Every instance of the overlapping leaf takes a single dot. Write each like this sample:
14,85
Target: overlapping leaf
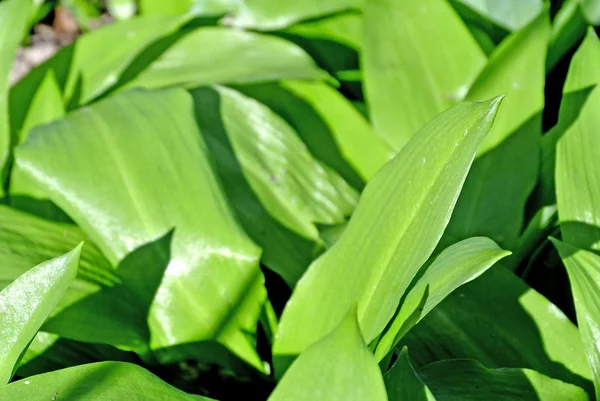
403,383
394,230
338,368
463,379
158,176
583,268
104,381
410,81
27,302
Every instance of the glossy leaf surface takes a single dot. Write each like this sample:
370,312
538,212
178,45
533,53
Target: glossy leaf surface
26,303
403,383
399,220
159,177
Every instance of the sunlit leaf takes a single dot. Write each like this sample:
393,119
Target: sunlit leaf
501,322
509,14
212,55
104,381
411,80
27,302
159,176
456,265
338,368
400,218
583,268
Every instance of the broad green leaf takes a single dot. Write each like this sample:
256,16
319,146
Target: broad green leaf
468,380
46,105
456,265
27,302
284,251
178,7
503,176
333,130
583,268
501,322
159,176
403,383
577,154
276,14
410,81
591,10
568,27
340,367
93,64
345,29
212,55
511,15
14,16
103,381
48,352
291,185
400,218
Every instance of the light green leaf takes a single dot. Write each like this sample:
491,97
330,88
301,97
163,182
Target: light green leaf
104,381
345,29
456,265
501,322
583,268
179,7
591,10
27,302
401,216
403,383
212,55
410,81
468,380
291,185
492,202
577,155
511,15
332,129
276,14
284,251
14,17
95,63
159,176
338,368
46,106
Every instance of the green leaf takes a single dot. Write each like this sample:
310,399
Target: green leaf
400,218
212,55
568,27
159,176
468,380
492,202
46,106
583,268
275,14
27,302
410,81
501,322
14,17
577,155
332,129
591,10
345,29
93,64
290,184
178,7
403,383
338,368
511,15
456,265
104,381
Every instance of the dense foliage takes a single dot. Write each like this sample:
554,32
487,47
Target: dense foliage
303,200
